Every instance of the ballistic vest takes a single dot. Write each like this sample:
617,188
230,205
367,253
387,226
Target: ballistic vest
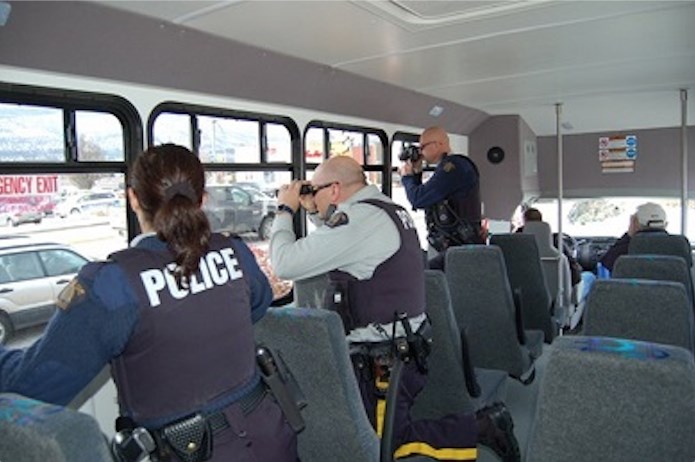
397,285
456,220
191,344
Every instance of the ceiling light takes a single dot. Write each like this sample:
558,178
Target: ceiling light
436,111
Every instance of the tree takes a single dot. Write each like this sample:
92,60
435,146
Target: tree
88,150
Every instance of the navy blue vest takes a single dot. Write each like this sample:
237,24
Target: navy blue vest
397,285
190,345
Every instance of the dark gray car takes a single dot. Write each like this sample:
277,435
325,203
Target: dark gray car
240,209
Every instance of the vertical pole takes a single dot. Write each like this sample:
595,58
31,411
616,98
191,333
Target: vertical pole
684,160
558,119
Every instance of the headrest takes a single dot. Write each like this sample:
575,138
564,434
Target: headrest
651,215
48,432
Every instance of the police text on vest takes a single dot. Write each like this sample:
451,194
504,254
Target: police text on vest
216,268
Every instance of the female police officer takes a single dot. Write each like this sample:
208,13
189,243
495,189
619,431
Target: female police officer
173,315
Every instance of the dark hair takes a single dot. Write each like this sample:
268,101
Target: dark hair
169,182
532,214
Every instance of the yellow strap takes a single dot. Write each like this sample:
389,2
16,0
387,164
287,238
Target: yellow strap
425,449
380,411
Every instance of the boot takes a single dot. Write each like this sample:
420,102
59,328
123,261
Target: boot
496,431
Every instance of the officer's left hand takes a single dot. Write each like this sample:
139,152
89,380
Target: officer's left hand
289,195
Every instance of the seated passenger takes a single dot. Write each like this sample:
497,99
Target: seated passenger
369,247
648,218
173,315
577,273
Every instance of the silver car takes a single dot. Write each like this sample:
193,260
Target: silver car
32,274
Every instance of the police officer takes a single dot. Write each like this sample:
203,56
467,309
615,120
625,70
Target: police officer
173,315
451,197
369,247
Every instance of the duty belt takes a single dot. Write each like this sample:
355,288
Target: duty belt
191,438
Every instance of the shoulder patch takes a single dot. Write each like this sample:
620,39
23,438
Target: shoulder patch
337,219
448,167
71,294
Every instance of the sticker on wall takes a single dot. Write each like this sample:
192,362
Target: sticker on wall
617,154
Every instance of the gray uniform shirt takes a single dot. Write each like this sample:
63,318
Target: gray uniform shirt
368,239
358,247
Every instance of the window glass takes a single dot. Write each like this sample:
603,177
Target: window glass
279,143
59,261
85,210
23,266
99,137
173,128
605,216
244,203
375,155
31,134
314,145
225,140
346,143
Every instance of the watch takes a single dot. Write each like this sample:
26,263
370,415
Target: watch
285,208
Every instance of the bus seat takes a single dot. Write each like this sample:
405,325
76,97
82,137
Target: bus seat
661,244
34,430
638,309
311,292
613,399
525,271
483,305
312,343
552,260
448,388
654,267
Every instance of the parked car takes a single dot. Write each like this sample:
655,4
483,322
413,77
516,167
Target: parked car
32,274
18,216
96,202
240,209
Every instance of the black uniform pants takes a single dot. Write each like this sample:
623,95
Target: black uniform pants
450,438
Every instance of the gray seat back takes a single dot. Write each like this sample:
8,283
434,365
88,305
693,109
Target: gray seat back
525,272
654,267
311,292
553,262
613,399
482,302
312,343
637,309
661,244
35,431
445,391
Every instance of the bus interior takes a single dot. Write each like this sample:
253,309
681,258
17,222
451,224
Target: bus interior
577,108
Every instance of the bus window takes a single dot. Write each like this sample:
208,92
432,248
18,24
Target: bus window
173,128
375,152
279,147
314,145
236,150
605,216
224,140
31,133
99,137
346,143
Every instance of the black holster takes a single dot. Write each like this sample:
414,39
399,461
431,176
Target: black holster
190,438
282,385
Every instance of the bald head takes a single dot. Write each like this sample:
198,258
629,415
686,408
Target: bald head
434,142
342,169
